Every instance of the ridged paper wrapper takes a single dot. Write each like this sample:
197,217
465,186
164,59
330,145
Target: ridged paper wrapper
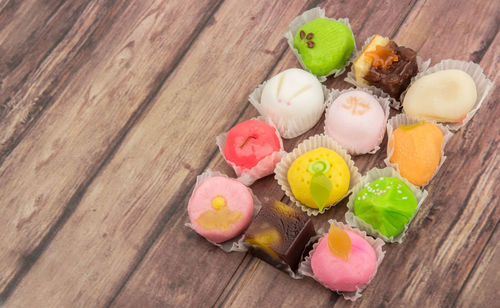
313,142
237,243
371,176
303,19
377,244
263,168
483,86
384,103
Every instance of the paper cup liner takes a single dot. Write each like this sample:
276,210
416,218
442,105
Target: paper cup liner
351,78
377,244
237,243
282,266
306,17
371,176
313,142
403,119
483,86
263,168
384,103
292,274
293,127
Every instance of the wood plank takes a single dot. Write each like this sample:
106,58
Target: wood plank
165,276
114,75
479,291
167,279
263,287
24,46
139,190
431,269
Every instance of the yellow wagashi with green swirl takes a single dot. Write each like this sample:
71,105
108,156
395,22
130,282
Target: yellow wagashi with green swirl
319,178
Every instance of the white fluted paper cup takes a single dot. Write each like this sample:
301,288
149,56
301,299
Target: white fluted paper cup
395,103
314,142
377,244
384,103
483,86
237,243
371,176
263,168
288,127
303,19
403,119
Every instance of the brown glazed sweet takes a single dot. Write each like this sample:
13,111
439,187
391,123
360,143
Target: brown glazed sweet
279,234
394,78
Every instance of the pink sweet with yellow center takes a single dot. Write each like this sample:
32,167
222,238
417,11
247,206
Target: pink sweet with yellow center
220,208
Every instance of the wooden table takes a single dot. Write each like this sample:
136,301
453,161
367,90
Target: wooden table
109,110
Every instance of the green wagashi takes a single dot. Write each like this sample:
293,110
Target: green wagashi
324,45
387,204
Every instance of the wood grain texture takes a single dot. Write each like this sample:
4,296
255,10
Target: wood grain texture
435,278
148,283
29,77
117,72
157,161
112,108
482,285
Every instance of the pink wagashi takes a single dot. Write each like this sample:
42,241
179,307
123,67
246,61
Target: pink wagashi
220,208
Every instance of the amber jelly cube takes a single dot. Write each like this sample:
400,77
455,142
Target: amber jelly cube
279,234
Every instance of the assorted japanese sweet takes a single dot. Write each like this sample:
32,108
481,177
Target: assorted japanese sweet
319,172
356,121
343,260
293,100
279,234
220,208
417,151
387,204
386,65
319,178
253,147
445,96
324,45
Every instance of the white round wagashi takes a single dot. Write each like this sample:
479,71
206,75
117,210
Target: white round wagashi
294,101
445,96
356,121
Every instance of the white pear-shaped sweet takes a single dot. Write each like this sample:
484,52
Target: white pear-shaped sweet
445,96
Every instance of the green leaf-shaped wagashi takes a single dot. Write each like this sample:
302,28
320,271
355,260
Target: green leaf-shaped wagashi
320,190
320,184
